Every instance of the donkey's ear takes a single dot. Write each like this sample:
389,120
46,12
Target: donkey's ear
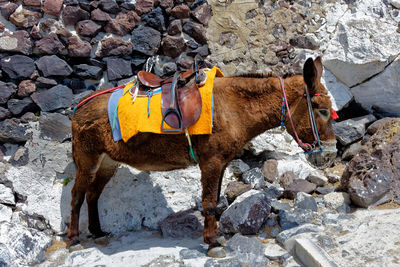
310,73
320,68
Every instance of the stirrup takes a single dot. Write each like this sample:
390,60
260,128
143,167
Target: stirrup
168,112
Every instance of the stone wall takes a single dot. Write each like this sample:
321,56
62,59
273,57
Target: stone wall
54,52
359,42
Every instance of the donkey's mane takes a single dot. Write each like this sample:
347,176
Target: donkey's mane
264,75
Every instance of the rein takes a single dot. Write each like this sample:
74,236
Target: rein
308,148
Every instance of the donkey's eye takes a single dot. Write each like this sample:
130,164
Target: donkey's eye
323,112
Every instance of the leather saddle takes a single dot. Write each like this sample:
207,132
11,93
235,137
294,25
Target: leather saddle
181,101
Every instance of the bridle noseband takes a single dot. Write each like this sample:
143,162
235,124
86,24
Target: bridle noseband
308,148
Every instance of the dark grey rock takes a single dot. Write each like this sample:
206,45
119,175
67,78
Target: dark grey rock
11,131
79,97
325,190
299,185
55,98
255,178
155,19
351,151
274,191
221,206
20,106
201,51
75,84
352,130
277,206
109,6
246,214
53,66
182,224
138,60
248,250
50,44
86,71
7,90
290,219
372,176
55,126
28,117
18,66
42,82
305,201
175,27
238,167
118,68
73,14
146,40
4,113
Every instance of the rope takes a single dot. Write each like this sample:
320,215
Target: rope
305,146
97,94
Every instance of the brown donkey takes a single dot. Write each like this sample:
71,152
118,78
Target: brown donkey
243,108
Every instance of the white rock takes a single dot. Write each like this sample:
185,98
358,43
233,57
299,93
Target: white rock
5,213
26,246
6,195
310,254
382,90
395,3
336,200
363,45
274,252
281,146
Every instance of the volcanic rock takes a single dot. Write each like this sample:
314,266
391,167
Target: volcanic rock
114,47
173,46
118,68
25,18
372,177
202,13
7,90
246,214
72,14
53,66
78,47
87,28
26,87
297,186
146,40
50,44
52,7
17,66
195,30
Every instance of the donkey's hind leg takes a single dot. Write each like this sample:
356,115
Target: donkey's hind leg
103,175
87,166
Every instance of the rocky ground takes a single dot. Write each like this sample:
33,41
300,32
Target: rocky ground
268,213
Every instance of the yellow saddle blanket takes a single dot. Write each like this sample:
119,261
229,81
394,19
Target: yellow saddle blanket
133,117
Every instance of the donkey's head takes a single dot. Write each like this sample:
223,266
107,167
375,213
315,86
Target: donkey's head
318,104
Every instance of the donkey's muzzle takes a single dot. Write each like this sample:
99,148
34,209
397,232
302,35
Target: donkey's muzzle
323,157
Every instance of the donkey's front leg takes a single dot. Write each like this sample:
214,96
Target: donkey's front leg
211,175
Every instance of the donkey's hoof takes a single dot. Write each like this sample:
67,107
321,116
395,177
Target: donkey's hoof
98,234
73,242
217,252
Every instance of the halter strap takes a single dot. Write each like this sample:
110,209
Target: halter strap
285,106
